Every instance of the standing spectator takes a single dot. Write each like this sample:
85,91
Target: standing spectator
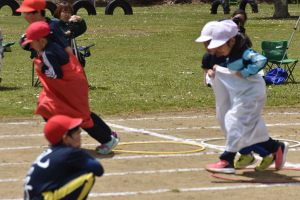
71,25
65,88
63,171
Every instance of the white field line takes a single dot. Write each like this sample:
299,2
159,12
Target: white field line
127,129
151,118
192,117
132,157
216,127
197,189
147,172
151,133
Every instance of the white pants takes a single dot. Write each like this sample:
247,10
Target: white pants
239,103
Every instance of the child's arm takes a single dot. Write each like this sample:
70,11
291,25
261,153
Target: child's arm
53,58
250,63
254,62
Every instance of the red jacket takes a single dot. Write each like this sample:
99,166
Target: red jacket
68,95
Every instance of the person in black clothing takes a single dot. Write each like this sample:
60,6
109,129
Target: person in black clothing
71,25
240,17
63,171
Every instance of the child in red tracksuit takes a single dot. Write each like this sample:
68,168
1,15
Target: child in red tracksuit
65,88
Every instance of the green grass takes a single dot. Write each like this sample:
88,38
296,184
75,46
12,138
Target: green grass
147,62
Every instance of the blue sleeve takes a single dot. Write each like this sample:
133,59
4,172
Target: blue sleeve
53,58
81,160
256,62
95,167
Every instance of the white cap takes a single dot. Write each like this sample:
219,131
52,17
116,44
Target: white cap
206,33
226,30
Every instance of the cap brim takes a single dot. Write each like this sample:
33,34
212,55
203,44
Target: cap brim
25,9
203,38
74,123
26,42
215,44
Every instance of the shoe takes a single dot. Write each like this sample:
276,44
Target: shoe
280,155
244,161
222,166
109,146
266,162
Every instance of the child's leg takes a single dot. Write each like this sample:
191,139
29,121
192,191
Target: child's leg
100,131
256,148
277,149
228,156
270,145
247,158
103,134
225,165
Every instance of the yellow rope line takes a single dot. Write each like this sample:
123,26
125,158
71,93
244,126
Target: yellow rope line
201,148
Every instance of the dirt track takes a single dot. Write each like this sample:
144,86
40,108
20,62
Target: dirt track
159,176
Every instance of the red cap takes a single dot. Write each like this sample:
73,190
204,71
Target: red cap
32,5
58,125
35,31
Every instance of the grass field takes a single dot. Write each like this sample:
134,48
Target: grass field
147,62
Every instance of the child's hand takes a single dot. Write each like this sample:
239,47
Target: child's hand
238,74
211,72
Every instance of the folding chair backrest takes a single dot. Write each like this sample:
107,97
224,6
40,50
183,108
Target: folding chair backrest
274,50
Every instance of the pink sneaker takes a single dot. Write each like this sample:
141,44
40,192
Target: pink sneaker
221,167
280,155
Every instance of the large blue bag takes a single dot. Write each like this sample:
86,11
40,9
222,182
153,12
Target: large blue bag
276,76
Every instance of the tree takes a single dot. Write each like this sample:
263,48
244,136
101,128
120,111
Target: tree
281,9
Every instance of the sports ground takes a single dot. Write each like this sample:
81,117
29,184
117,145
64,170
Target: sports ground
175,170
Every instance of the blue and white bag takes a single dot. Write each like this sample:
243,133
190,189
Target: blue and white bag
276,76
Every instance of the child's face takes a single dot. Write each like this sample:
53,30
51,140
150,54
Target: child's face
225,49
74,140
31,17
210,51
37,45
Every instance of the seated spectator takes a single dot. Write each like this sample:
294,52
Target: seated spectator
71,25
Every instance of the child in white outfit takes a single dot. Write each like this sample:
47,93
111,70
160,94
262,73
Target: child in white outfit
240,96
